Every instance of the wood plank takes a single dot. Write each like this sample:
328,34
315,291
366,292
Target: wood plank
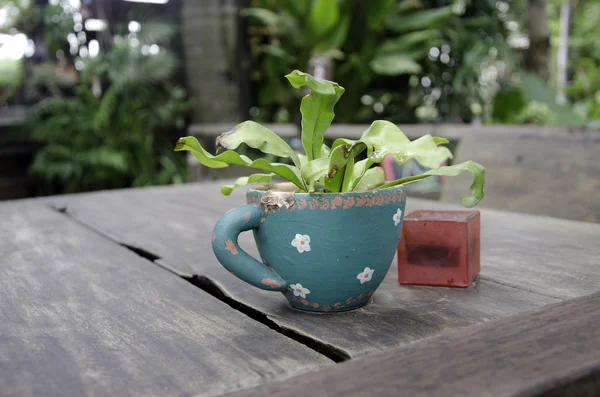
175,224
84,316
554,351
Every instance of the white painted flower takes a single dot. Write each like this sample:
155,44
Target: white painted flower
366,275
301,242
397,217
299,290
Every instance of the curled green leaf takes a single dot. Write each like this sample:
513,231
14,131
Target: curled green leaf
386,138
300,79
477,187
258,137
245,180
382,133
191,144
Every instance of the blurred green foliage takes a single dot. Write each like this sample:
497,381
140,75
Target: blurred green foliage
398,59
584,59
423,60
529,100
363,37
11,76
116,129
526,98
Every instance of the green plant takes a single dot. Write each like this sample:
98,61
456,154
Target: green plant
11,75
372,43
462,73
529,99
117,129
584,57
332,169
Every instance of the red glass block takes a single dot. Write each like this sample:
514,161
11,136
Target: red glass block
439,248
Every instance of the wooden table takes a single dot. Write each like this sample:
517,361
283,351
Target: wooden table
118,293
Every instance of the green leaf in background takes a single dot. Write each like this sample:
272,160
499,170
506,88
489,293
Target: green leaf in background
298,8
258,137
278,53
372,178
408,5
324,15
265,16
394,64
414,42
317,110
419,20
535,89
244,180
337,38
377,11
291,28
533,101
477,187
230,157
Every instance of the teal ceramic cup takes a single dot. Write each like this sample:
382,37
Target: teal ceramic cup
325,252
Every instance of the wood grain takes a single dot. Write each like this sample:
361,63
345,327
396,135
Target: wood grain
551,352
82,316
527,262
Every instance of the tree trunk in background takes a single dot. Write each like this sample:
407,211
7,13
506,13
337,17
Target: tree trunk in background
538,53
562,57
209,34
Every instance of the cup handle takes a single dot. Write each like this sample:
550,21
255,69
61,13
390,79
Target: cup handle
237,261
